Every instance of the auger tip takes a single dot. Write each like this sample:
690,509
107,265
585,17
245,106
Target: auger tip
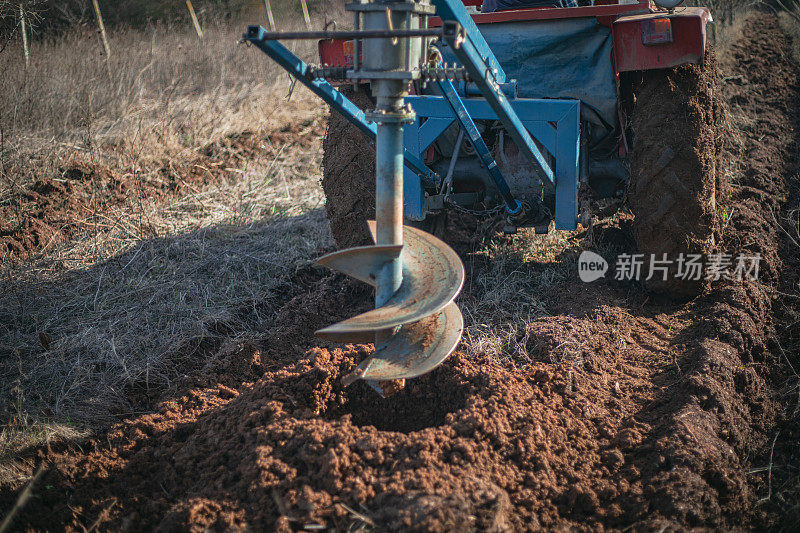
352,377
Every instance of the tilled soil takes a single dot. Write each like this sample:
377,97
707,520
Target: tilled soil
652,418
56,208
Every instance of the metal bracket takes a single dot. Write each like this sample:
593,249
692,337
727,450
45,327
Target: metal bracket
454,10
355,34
463,118
340,103
487,81
438,202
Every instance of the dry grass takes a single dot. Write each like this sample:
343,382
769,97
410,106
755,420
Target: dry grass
122,308
166,94
502,298
728,18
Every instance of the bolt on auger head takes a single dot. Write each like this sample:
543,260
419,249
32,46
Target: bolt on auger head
415,324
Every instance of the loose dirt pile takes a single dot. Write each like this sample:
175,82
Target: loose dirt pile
651,416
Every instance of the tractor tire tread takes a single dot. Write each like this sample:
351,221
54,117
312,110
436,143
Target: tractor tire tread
672,191
348,175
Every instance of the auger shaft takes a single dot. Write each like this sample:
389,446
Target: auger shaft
389,116
415,323
389,197
382,56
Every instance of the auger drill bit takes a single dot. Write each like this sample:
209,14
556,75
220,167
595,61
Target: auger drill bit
415,324
418,325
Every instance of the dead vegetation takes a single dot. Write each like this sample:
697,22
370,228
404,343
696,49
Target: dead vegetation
511,290
220,201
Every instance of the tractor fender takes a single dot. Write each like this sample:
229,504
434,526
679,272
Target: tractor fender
660,40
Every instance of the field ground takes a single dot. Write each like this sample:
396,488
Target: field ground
158,368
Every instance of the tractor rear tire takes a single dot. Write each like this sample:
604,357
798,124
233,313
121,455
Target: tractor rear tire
675,172
348,175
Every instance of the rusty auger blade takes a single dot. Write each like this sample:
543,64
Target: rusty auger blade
415,349
424,323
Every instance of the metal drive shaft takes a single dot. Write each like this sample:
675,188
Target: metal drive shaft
389,199
388,210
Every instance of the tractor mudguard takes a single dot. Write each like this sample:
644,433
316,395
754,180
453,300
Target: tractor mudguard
660,40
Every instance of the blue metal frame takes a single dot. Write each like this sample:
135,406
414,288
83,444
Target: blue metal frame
298,68
554,123
481,75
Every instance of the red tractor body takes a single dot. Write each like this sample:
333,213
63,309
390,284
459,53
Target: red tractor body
644,37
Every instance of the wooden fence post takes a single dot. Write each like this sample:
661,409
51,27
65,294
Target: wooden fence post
270,18
305,14
103,35
194,20
24,36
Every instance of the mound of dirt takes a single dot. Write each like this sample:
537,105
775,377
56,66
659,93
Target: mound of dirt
767,155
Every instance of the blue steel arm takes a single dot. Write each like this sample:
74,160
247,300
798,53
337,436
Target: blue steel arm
481,74
455,10
462,115
297,68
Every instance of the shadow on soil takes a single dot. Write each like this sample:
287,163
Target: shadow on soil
109,341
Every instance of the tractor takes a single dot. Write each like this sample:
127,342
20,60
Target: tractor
522,107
